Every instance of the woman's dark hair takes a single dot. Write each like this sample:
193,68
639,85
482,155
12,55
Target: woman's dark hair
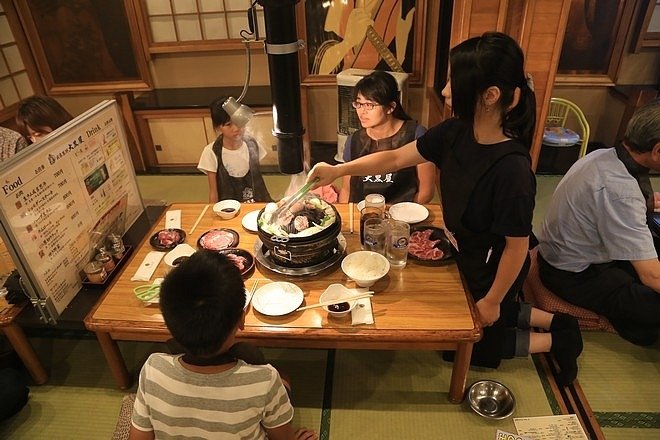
218,115
202,300
493,59
381,87
40,112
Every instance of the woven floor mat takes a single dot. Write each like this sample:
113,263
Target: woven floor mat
404,394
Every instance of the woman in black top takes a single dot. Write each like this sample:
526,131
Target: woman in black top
488,190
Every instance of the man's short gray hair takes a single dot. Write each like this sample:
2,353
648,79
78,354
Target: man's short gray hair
643,131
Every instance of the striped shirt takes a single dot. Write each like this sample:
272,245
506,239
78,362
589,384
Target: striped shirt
234,404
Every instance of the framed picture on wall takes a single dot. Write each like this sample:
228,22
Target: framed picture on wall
85,45
364,34
594,41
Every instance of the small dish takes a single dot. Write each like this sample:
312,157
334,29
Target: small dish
218,239
278,298
360,205
241,258
491,399
249,221
337,292
409,212
176,255
227,209
167,239
428,244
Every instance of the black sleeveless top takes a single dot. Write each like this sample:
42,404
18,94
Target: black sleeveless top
399,186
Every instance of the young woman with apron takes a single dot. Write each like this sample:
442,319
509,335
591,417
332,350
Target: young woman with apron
488,190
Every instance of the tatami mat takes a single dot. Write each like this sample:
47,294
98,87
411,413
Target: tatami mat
80,399
404,394
620,382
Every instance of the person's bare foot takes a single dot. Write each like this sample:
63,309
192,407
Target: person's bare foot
306,434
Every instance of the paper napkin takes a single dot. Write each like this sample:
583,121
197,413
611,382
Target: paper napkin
148,266
173,219
362,313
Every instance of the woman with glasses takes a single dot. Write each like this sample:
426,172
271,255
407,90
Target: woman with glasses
487,190
37,116
385,126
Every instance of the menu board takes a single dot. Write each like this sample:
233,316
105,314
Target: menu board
59,195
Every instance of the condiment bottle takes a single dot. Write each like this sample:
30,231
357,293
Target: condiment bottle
117,248
105,259
95,272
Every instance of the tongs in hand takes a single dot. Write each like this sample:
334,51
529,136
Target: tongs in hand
283,210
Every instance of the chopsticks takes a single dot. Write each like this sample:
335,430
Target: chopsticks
293,199
337,301
199,218
350,217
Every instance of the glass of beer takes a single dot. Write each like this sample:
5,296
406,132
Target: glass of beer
366,213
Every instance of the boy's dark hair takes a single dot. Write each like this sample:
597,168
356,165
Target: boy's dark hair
202,301
218,115
381,87
493,59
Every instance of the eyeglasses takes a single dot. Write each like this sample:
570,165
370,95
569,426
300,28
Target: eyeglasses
368,106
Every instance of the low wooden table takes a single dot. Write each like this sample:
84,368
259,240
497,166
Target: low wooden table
19,342
420,307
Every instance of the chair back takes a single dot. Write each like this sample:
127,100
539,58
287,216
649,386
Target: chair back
558,116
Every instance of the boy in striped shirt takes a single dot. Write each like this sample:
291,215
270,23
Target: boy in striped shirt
208,392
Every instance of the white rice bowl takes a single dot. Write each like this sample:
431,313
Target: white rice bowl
365,267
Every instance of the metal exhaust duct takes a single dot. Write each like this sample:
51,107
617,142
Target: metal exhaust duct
282,47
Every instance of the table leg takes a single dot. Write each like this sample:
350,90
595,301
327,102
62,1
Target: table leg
459,372
20,343
115,360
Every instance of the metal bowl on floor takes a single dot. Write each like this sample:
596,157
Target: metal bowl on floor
491,399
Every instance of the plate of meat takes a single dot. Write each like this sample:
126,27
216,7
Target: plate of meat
167,239
218,239
428,244
241,258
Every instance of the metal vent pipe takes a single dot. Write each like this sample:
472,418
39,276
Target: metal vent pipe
282,47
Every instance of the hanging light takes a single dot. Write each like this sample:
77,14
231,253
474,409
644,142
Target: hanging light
240,114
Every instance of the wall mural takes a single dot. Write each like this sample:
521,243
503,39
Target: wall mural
365,34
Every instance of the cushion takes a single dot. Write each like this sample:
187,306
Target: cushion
538,295
124,421
560,137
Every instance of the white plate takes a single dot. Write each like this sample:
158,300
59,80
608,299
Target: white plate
181,250
409,212
249,221
360,205
277,299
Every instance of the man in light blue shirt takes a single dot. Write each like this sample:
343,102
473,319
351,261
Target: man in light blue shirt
595,246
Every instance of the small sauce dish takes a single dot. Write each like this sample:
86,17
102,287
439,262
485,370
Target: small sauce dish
337,292
227,209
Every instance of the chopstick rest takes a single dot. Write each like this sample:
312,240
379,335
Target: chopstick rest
148,266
